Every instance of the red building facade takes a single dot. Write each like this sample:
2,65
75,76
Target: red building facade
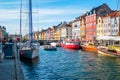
49,36
90,21
90,27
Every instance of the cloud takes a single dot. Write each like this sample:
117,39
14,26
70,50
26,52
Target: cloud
42,16
9,3
6,14
9,14
65,11
56,15
48,21
47,1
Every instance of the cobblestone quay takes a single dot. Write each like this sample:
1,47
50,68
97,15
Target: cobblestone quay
10,68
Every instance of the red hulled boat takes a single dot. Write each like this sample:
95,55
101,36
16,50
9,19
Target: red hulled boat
71,44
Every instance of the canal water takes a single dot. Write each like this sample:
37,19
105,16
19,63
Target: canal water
65,64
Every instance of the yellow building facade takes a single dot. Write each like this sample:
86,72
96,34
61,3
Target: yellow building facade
82,28
57,34
99,28
63,34
42,35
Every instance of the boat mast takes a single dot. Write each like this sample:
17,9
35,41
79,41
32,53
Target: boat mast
20,20
30,21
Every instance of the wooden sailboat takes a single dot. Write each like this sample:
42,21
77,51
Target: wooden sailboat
30,50
110,49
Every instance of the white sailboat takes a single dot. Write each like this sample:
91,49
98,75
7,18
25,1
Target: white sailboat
30,50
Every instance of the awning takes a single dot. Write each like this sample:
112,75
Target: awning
114,38
105,38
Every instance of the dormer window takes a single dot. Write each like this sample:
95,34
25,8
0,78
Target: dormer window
80,17
93,11
90,13
87,14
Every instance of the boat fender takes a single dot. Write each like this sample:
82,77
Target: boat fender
21,53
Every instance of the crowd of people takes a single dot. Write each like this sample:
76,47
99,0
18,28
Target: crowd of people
4,41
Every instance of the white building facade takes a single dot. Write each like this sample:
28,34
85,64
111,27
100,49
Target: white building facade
66,32
76,29
107,26
115,25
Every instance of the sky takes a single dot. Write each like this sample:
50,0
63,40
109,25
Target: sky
46,13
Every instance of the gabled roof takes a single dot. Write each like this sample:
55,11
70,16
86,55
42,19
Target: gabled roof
103,8
49,28
114,14
43,30
62,24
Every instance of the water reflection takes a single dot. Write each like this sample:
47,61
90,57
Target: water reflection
67,64
30,62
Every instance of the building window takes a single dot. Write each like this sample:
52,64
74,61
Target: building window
111,30
90,13
87,14
99,21
112,26
115,21
75,26
94,24
101,31
94,11
94,17
105,31
116,25
99,26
